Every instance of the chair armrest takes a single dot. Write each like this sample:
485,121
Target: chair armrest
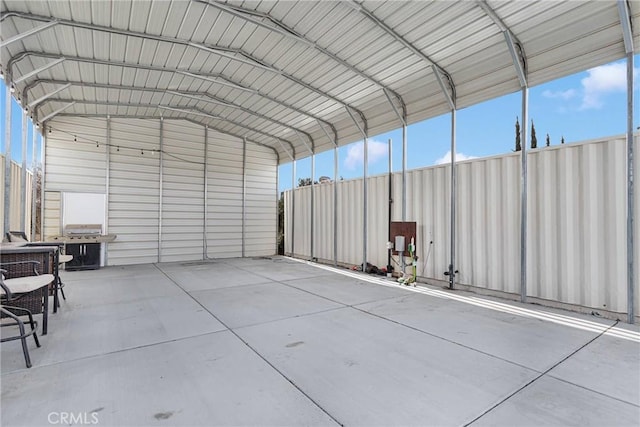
5,289
35,265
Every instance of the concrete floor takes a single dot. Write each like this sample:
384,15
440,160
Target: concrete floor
283,343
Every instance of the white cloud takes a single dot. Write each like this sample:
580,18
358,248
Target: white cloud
565,95
447,158
355,155
601,81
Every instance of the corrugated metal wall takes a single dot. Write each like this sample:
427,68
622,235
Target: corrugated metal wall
260,201
15,199
182,191
224,196
576,222
137,211
134,191
76,166
52,210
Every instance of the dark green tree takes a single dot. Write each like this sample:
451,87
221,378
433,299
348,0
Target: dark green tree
281,224
303,182
534,140
518,145
548,140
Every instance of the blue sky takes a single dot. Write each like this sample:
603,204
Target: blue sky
16,131
582,106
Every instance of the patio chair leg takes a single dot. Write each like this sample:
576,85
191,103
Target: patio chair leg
34,327
23,334
25,348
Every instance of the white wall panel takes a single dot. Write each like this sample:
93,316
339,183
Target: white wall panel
302,222
350,221
52,210
15,199
224,196
134,191
323,243
76,166
576,222
134,188
261,219
377,220
182,191
488,223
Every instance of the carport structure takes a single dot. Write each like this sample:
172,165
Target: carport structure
276,81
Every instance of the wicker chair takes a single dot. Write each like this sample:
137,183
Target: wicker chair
36,301
21,237
17,294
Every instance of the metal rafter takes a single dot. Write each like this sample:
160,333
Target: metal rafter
198,96
184,109
214,78
229,53
279,27
625,22
513,44
35,102
49,23
357,5
38,70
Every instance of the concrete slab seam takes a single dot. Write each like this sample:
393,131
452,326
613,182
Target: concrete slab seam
497,306
511,362
109,353
536,378
257,353
593,391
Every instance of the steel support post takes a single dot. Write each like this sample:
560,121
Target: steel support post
452,266
43,156
205,214
523,194
365,168
631,278
34,185
23,174
244,194
335,206
160,191
7,161
404,171
107,188
293,208
389,237
313,213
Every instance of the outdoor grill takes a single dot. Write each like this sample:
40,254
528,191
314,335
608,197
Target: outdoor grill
83,241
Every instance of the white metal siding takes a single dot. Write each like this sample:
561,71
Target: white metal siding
576,251
260,201
224,196
52,214
182,191
134,185
323,243
134,188
302,222
76,166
